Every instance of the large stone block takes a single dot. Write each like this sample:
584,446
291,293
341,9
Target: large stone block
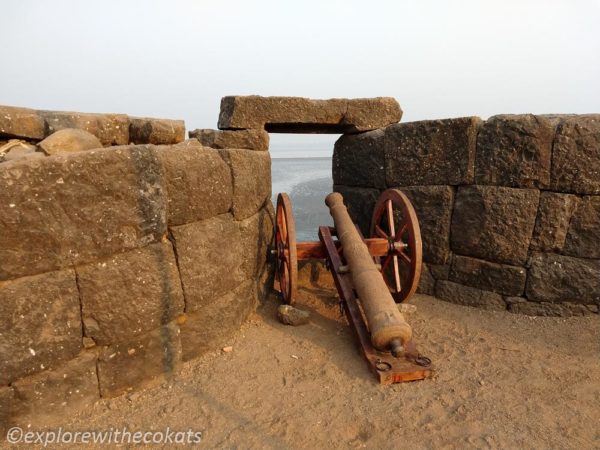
426,282
210,327
111,129
72,209
247,139
40,323
48,397
360,203
126,366
130,293
583,237
515,150
558,278
197,180
575,155
209,258
489,276
468,296
431,152
145,130
441,271
358,160
494,223
256,238
302,115
21,123
549,309
433,205
553,217
251,173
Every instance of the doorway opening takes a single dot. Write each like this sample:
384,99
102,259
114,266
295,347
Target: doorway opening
301,167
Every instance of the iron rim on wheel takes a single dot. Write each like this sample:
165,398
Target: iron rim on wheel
285,244
395,219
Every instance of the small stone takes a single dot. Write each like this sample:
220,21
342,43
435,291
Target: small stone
88,342
289,315
228,349
407,309
69,140
15,150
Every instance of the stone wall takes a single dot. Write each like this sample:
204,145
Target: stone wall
509,208
120,262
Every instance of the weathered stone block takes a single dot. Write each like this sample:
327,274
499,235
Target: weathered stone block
556,278
440,271
433,205
251,173
550,309
256,236
72,209
583,237
431,152
553,217
358,160
197,181
427,282
145,130
515,150
489,276
111,129
130,293
469,296
124,367
360,203
246,139
40,323
48,397
69,140
211,326
302,115
575,155
210,264
494,223
21,123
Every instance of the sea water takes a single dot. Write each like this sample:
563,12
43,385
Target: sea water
307,181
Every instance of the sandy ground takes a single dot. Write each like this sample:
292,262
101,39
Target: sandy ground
502,381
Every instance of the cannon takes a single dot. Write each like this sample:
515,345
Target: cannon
372,275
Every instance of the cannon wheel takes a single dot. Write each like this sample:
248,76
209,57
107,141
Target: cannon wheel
285,244
394,219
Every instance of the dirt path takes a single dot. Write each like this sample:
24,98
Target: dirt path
502,381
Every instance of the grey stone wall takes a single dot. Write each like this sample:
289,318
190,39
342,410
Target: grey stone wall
119,263
509,207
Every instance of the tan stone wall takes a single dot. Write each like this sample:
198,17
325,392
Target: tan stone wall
509,208
119,263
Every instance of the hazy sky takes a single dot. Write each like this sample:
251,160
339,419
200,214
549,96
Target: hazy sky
176,59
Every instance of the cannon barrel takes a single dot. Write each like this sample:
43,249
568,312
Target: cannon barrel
389,330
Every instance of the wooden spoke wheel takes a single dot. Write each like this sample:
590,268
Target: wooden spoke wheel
285,244
394,219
